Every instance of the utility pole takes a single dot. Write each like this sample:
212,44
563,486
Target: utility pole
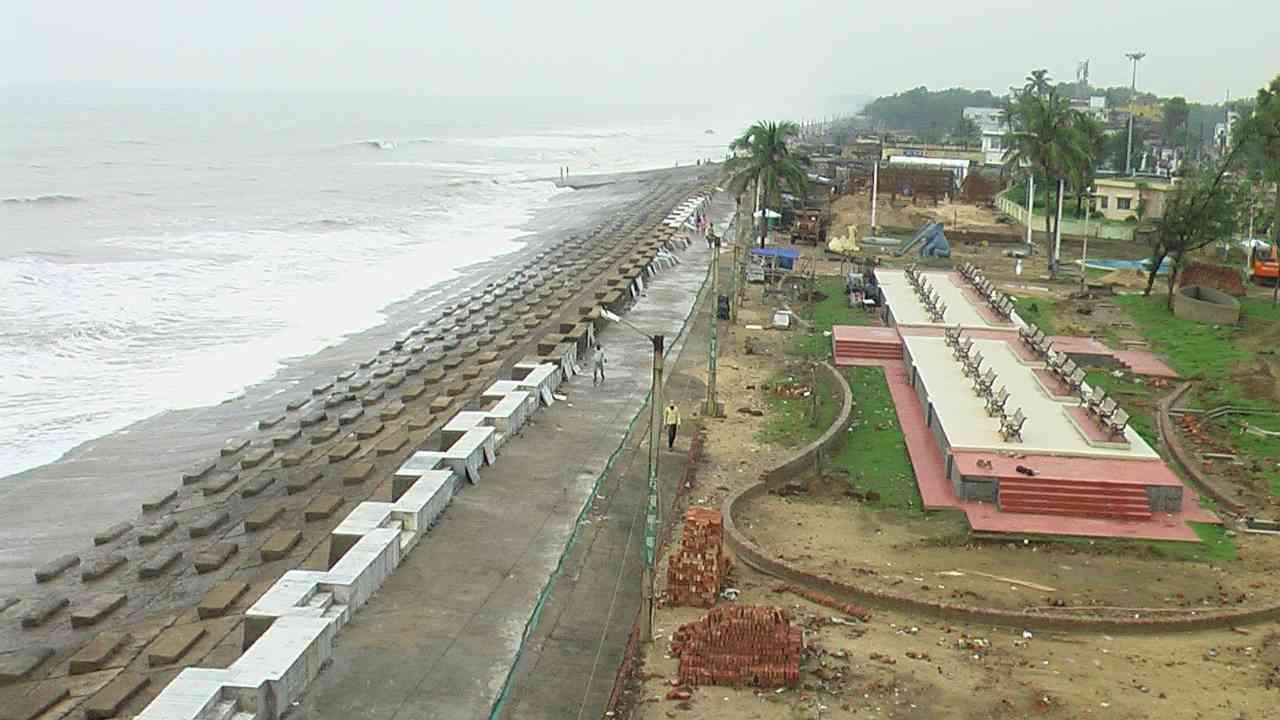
712,410
875,188
1031,205
652,519
1133,100
1084,252
1057,230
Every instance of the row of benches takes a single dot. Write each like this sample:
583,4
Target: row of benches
928,296
999,303
1108,415
984,384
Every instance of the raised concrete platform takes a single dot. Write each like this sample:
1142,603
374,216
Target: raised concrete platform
906,308
963,417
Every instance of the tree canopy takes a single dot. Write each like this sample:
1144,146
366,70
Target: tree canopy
928,114
761,155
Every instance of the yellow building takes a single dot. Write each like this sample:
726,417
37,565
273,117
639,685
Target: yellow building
1118,199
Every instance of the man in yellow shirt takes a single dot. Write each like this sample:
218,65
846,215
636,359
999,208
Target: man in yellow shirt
671,418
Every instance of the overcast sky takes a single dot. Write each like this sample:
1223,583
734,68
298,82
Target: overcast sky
638,51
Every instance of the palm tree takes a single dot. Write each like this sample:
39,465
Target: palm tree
1093,136
761,155
1044,136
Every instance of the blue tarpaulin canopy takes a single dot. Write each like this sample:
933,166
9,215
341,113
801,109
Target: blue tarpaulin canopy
784,258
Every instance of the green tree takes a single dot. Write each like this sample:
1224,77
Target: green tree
1044,136
761,155
921,111
1093,136
1202,209
967,132
1176,113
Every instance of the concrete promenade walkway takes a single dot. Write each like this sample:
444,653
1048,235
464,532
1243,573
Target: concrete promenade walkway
442,635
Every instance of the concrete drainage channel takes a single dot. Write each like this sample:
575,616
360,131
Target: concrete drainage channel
290,630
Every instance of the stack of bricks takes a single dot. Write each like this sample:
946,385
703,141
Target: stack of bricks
740,645
697,570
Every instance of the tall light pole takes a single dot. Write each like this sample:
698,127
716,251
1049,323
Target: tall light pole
652,519
1133,97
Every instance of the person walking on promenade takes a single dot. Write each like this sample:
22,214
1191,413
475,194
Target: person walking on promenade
671,418
597,364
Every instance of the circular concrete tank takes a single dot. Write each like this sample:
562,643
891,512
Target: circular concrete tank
1206,305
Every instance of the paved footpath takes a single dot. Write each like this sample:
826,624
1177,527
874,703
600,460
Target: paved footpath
571,659
441,637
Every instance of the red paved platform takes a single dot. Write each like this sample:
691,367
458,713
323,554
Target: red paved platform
1052,386
984,517
1057,467
1077,345
1093,433
1145,362
926,459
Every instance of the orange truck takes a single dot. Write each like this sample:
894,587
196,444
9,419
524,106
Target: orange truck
1263,265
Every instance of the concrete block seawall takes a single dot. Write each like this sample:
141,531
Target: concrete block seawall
289,631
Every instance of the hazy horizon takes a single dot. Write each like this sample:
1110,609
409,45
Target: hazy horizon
796,57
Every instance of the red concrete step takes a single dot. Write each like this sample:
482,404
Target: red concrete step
877,354
1012,498
1076,509
1022,482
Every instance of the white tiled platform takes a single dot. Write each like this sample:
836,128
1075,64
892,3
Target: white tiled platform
908,310
963,417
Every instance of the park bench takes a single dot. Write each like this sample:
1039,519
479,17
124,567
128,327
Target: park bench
1076,381
1044,348
939,312
1116,423
984,383
963,346
1104,409
1027,333
1066,369
1095,399
952,335
995,403
1011,426
973,364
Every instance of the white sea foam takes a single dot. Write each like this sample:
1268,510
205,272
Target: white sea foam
200,269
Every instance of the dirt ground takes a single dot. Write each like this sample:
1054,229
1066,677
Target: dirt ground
902,213
903,666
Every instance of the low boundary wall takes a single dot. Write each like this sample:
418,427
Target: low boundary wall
810,456
755,556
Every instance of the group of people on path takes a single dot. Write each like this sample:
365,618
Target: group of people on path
670,415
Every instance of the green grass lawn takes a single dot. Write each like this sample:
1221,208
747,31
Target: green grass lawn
1041,311
787,420
1196,350
833,309
874,453
1266,450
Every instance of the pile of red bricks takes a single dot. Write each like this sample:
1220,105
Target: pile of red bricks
696,571
740,645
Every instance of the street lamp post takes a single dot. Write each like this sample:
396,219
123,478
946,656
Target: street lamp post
653,503
1133,98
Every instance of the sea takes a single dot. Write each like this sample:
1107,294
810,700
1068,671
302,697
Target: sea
166,249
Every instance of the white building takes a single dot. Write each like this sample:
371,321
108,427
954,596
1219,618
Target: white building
991,124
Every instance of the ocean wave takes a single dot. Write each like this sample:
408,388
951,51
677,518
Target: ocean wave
42,199
378,144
